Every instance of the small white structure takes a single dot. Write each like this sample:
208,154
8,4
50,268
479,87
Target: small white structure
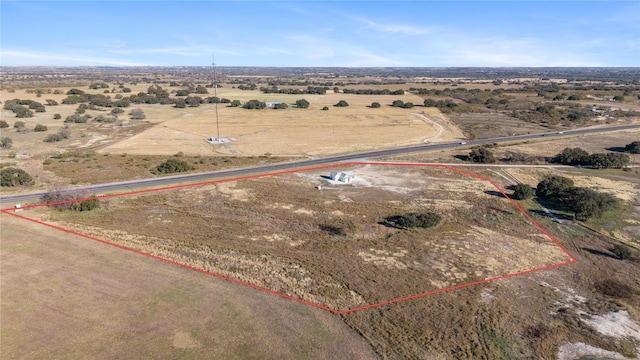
272,104
216,140
345,176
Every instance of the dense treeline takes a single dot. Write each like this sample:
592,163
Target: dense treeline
373,92
319,90
585,203
580,157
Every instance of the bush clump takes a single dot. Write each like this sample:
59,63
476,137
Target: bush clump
173,165
523,192
71,200
414,220
621,251
14,177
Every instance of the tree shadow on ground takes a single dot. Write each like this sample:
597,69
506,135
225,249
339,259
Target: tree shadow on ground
601,253
543,213
461,157
616,149
494,193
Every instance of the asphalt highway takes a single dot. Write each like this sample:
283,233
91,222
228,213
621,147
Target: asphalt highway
126,186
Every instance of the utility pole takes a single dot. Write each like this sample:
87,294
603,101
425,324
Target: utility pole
215,94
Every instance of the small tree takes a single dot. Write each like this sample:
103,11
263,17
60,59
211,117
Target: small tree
342,103
554,186
236,103
137,114
76,118
621,251
280,106
3,124
14,177
57,116
6,142
481,155
18,124
523,192
40,127
254,104
633,147
173,165
302,104
179,103
201,90
375,105
88,205
397,103
22,112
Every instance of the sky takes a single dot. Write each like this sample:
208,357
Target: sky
320,33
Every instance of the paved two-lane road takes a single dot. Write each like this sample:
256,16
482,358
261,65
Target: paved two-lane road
124,186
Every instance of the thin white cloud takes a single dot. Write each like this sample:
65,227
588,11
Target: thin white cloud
30,58
391,28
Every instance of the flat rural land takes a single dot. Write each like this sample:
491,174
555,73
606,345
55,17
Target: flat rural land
299,265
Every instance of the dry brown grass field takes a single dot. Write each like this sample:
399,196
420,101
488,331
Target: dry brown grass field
291,131
327,246
330,247
64,296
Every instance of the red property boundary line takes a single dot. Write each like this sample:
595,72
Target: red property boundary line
12,212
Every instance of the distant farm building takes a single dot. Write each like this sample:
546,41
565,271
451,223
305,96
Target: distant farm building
345,176
272,104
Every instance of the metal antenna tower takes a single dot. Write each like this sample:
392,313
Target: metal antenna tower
215,94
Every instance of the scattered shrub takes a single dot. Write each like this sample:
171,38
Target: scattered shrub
137,114
302,103
40,127
173,165
14,177
621,251
481,155
6,142
254,104
3,124
71,200
413,220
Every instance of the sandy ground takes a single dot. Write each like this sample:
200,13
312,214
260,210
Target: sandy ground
578,351
64,296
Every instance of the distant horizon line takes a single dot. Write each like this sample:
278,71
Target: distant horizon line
320,67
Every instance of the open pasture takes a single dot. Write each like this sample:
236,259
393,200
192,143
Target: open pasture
64,297
329,246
